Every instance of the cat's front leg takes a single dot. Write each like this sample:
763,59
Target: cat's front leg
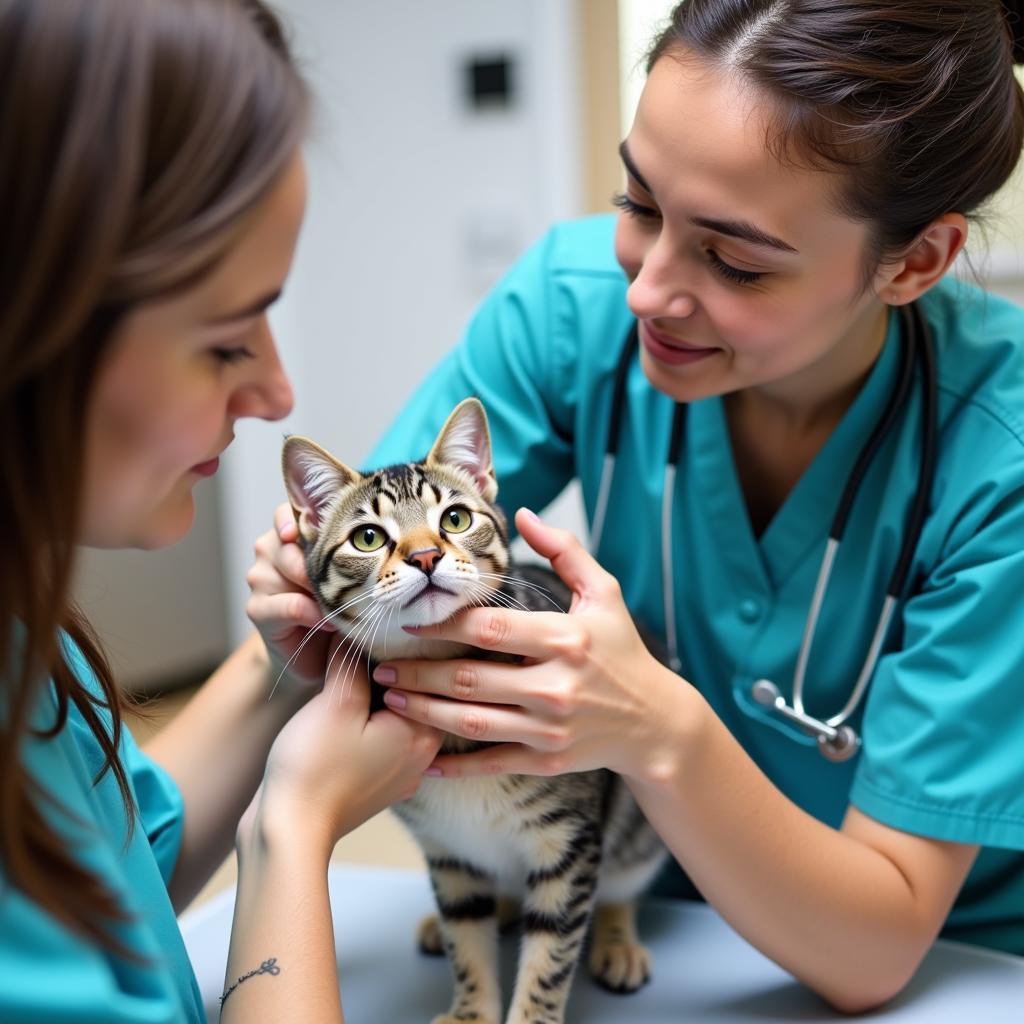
467,911
556,910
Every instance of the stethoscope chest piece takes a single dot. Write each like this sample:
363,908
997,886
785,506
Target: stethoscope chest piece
835,742
845,744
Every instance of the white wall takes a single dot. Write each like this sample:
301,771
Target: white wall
416,205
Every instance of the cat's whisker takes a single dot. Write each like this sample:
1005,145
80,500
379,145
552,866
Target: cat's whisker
542,591
351,659
387,630
517,581
509,601
366,613
504,600
327,672
385,613
365,647
309,636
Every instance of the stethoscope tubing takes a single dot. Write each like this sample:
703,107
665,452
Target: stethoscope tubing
836,739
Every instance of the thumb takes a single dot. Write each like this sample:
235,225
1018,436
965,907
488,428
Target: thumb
567,556
284,523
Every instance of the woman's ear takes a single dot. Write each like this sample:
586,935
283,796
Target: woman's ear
313,478
901,281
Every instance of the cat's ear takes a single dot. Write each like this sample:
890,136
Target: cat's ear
313,478
465,441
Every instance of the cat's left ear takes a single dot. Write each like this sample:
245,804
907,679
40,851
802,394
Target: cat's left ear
465,441
313,478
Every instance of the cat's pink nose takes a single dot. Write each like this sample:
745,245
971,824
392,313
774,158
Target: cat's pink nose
426,559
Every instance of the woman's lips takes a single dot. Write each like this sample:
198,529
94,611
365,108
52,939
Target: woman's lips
671,350
207,468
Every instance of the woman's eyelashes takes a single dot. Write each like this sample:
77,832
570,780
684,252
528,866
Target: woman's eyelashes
648,213
232,354
727,270
633,208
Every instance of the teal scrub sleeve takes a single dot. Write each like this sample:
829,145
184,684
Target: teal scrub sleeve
517,358
161,807
943,729
47,971
48,974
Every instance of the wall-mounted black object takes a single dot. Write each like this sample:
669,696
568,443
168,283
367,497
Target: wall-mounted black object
490,82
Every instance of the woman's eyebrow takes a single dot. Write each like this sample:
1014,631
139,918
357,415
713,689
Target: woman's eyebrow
734,228
252,309
744,231
631,167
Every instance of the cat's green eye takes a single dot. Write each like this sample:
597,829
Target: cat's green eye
456,519
368,538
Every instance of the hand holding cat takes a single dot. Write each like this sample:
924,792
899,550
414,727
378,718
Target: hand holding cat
282,607
334,764
589,694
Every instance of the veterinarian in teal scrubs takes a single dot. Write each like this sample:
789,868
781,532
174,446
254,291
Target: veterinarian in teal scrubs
766,252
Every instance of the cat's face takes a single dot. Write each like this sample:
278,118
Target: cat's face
408,545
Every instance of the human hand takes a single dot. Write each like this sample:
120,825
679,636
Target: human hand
282,607
334,765
589,695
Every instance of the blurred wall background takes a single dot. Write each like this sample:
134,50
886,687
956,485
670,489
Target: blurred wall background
427,180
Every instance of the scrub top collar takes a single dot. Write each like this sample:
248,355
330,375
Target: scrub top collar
787,540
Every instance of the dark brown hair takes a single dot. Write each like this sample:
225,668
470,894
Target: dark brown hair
915,101
136,134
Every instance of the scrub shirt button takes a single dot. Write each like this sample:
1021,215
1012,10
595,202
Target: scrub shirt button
750,610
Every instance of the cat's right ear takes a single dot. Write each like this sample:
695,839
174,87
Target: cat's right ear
313,478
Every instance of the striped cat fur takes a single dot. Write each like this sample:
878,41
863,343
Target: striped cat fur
412,544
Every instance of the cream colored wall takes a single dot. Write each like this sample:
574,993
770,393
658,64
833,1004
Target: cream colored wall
600,122
639,22
1000,243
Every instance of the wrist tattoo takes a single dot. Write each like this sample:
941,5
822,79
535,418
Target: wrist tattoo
267,967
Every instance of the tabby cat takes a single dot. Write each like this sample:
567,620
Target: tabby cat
410,545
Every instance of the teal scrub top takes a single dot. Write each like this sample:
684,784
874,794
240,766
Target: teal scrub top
49,973
943,720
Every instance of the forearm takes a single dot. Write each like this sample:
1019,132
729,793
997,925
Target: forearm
835,912
216,749
282,911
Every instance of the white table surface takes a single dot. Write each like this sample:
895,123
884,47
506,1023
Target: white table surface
703,971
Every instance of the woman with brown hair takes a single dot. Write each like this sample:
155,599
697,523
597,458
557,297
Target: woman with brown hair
151,193
800,444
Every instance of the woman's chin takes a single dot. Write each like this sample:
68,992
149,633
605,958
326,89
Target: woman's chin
170,527
161,528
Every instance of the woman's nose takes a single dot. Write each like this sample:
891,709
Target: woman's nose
661,286
267,394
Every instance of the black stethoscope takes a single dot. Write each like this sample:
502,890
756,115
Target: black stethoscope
837,740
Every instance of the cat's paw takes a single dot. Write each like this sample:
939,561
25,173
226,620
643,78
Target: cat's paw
620,966
429,939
